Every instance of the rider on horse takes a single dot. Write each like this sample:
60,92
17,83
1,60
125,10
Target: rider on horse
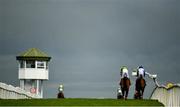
60,94
125,81
140,83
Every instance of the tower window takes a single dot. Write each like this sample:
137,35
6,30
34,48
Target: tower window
22,65
41,64
30,64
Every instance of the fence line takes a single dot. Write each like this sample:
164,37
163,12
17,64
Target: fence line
11,92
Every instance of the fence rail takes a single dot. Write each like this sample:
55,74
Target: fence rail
170,97
11,92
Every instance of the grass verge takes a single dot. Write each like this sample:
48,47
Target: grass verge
78,102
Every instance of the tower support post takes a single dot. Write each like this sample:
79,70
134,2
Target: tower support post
37,87
22,83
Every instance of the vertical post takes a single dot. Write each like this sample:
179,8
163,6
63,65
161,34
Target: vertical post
37,88
36,64
24,64
22,83
41,88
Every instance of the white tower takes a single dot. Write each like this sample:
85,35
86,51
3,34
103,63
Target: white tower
33,69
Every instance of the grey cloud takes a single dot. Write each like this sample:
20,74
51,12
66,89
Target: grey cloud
89,40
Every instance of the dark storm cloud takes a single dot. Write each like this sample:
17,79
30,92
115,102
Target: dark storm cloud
89,40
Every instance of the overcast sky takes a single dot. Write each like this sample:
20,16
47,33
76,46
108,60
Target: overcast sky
89,40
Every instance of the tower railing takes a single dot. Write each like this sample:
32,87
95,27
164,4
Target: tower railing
11,92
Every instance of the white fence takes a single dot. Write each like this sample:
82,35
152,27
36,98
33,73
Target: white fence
170,97
11,92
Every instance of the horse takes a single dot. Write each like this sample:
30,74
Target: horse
60,95
125,84
139,87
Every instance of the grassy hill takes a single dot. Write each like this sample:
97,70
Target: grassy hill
78,102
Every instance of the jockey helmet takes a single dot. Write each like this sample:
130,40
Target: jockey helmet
123,67
140,66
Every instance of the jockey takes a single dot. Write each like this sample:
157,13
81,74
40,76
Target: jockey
61,88
124,72
140,71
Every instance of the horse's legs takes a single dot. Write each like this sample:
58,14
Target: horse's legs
139,93
127,91
142,92
123,91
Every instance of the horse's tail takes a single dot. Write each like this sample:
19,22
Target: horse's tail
142,82
127,82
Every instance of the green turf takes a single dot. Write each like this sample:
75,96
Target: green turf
79,102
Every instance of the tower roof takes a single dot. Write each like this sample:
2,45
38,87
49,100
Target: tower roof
33,54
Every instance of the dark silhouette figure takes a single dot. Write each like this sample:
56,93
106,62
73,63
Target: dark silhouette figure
119,96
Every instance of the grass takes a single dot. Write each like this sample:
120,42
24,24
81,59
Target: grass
78,102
